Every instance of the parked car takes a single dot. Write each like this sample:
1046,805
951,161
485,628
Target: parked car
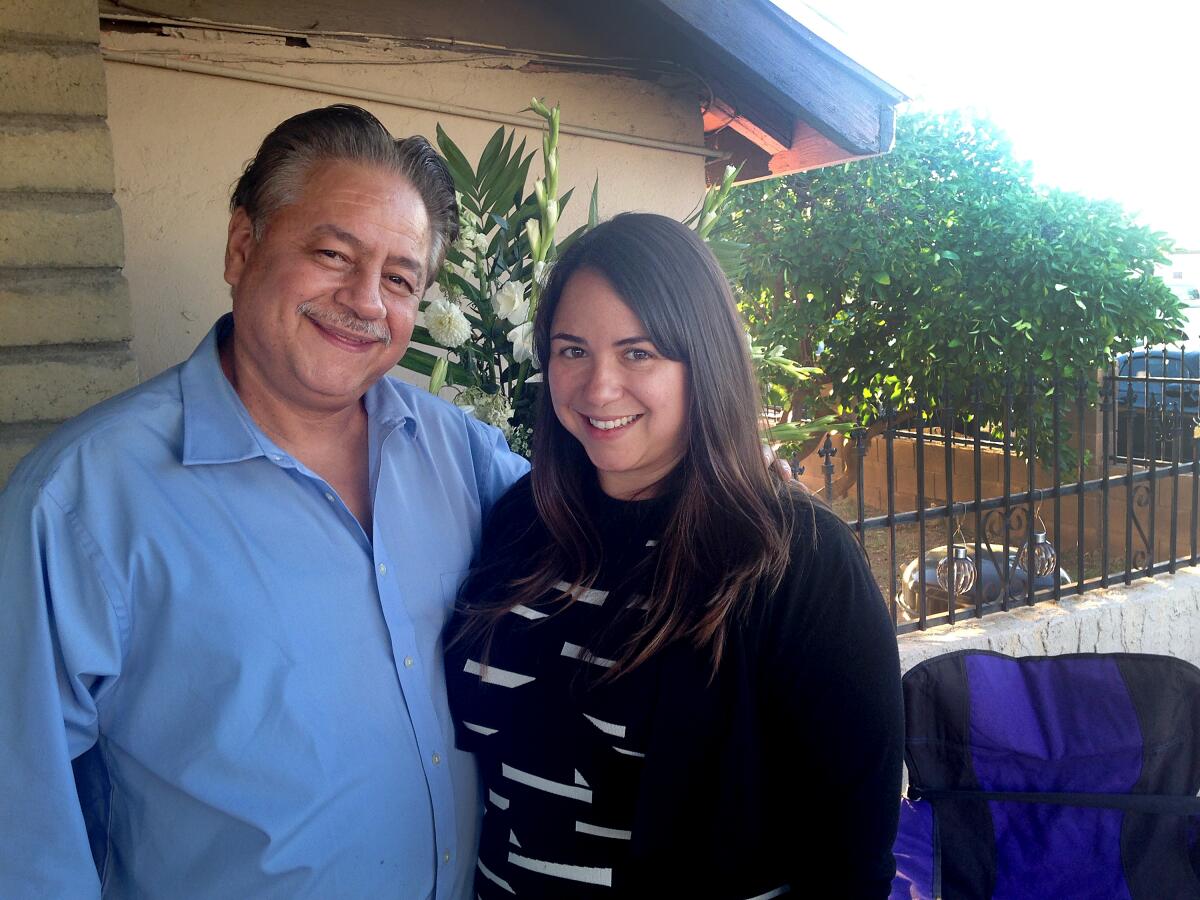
990,580
1178,402
1163,362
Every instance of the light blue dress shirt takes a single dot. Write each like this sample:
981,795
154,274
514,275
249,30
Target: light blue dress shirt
250,688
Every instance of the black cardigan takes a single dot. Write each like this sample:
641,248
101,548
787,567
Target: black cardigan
785,767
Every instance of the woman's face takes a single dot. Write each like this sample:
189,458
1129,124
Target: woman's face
612,389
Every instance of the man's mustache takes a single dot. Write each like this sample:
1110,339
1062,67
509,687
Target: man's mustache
375,330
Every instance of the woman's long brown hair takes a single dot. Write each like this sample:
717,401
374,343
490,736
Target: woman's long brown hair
729,528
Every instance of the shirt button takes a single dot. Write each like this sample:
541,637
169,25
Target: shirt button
446,857
437,758
277,458
329,496
382,569
408,662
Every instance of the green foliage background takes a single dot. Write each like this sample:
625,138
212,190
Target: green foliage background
940,268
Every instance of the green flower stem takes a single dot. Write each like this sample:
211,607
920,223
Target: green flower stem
540,231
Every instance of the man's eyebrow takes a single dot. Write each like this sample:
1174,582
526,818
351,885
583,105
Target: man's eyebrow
340,233
407,262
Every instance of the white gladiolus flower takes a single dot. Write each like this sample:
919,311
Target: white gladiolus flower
539,271
481,242
510,303
522,341
446,323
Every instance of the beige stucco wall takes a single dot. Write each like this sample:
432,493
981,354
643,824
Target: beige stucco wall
181,139
1152,615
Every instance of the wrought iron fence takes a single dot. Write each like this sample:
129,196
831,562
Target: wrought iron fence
1116,464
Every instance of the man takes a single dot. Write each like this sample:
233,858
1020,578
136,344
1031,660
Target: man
223,591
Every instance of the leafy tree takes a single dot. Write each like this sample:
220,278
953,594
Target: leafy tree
939,269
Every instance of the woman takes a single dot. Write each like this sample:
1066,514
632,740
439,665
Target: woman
676,672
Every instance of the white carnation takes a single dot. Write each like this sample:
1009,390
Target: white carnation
522,341
446,323
510,303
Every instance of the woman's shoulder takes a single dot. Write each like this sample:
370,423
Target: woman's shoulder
815,528
828,581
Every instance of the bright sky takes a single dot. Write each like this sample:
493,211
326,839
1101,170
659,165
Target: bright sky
1102,98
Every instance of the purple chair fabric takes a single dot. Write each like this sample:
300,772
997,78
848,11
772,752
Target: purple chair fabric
1062,777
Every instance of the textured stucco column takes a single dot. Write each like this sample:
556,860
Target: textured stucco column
64,305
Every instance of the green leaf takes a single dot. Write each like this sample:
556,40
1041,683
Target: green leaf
464,175
571,238
504,192
949,254
422,362
594,205
801,431
503,160
882,278
491,154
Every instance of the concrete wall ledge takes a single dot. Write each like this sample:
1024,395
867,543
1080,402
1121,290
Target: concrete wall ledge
44,230
55,153
49,384
1152,615
63,306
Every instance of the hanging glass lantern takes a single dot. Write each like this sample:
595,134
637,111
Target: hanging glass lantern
959,567
1038,556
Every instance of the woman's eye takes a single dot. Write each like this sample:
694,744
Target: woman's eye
572,352
637,354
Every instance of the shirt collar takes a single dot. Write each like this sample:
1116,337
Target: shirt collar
217,428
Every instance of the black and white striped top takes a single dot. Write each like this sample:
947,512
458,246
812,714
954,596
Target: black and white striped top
560,756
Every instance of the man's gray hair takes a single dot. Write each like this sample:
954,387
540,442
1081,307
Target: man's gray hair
275,177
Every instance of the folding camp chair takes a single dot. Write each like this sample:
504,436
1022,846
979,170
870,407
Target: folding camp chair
1060,777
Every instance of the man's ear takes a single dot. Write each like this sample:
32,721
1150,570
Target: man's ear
239,245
